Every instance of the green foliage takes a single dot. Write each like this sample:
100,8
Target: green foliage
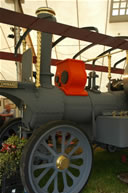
10,156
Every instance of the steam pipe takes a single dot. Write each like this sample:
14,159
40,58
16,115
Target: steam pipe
21,39
103,53
110,49
118,62
83,50
91,28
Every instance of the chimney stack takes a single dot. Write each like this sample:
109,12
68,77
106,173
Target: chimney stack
46,47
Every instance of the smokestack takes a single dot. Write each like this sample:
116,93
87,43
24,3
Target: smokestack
46,47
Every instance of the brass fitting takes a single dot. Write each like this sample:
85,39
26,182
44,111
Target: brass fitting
24,45
121,113
62,162
38,59
109,66
126,56
114,113
45,10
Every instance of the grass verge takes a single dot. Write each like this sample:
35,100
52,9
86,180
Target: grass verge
105,169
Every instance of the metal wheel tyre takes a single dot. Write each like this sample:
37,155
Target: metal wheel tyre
10,128
57,158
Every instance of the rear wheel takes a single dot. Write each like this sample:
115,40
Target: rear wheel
57,158
12,127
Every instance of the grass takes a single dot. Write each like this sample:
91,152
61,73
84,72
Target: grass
105,169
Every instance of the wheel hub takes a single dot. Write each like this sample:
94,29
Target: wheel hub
62,162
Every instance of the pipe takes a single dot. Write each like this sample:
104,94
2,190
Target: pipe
110,49
118,62
46,46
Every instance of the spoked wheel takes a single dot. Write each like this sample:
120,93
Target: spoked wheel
12,127
57,158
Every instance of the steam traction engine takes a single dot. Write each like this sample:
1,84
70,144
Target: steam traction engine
65,120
